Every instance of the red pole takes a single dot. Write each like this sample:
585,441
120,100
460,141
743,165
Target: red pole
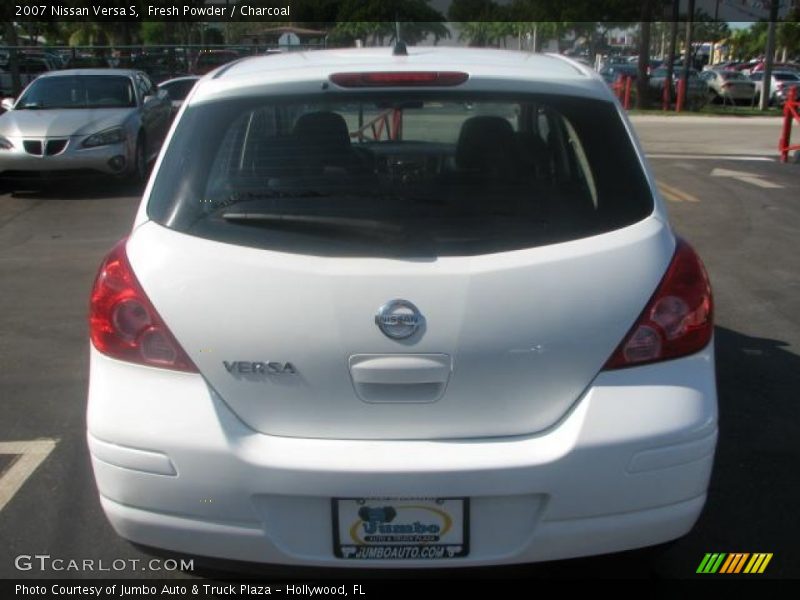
679,101
627,103
786,132
397,124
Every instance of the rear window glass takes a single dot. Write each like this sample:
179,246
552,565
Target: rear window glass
405,175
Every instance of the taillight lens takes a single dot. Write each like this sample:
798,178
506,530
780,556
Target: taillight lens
123,323
399,79
678,320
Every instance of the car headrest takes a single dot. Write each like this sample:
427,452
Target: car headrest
324,130
486,143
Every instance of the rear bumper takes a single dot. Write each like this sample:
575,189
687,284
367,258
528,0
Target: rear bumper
628,466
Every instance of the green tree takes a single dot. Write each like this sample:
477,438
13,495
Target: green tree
535,33
375,20
484,33
10,38
153,32
707,29
788,37
643,65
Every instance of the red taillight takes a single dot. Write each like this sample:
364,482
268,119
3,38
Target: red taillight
399,79
123,323
678,320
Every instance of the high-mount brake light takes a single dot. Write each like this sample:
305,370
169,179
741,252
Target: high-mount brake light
399,79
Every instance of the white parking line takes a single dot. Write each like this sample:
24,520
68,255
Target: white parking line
31,455
751,178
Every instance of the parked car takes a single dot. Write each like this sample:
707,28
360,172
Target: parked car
612,73
158,66
696,91
760,66
653,63
104,120
728,86
781,83
730,65
209,60
322,338
616,60
86,62
178,89
49,57
30,67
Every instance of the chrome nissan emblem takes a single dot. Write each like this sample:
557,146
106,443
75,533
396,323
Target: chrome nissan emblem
399,319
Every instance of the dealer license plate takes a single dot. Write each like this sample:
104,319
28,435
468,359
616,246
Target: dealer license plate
400,528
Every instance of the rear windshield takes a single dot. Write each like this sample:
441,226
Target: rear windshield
406,175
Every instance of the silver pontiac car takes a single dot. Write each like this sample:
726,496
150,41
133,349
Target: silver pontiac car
98,120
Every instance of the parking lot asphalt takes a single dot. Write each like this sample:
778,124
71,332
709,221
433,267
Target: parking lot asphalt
743,216
706,135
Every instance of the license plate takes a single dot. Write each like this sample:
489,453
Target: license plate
400,528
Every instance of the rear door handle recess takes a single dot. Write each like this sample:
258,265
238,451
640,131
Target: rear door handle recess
400,377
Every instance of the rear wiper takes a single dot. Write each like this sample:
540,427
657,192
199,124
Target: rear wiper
362,225
32,106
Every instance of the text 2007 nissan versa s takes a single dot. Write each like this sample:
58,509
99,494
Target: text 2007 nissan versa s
401,309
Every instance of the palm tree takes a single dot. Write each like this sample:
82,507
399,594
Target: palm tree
485,33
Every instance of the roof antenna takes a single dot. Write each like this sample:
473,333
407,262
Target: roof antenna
399,45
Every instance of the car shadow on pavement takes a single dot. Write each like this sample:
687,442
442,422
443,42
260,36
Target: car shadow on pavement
755,490
84,188
753,496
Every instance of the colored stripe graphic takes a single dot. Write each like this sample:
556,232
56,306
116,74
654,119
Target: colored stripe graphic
722,562
734,563
728,564
703,563
741,562
711,562
758,563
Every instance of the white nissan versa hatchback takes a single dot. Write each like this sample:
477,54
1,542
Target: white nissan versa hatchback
395,309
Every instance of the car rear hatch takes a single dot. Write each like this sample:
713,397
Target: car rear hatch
509,342
275,263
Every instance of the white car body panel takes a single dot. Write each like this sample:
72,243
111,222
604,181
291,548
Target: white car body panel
516,370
